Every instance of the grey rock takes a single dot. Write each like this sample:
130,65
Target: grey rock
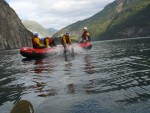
13,34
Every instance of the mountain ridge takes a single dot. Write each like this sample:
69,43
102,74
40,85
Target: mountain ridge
52,30
34,26
111,20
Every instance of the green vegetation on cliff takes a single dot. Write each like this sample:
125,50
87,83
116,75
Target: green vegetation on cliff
119,19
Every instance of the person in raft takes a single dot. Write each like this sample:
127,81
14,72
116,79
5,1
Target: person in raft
85,36
36,41
66,40
49,42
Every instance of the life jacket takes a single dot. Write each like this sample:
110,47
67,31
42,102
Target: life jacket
50,40
67,38
84,35
33,42
36,44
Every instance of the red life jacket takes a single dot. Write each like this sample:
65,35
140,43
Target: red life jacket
50,40
33,42
84,35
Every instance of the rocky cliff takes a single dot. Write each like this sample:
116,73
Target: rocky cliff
13,34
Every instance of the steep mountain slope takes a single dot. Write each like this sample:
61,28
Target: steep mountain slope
13,34
132,22
119,19
34,26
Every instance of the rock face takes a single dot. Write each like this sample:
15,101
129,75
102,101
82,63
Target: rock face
13,34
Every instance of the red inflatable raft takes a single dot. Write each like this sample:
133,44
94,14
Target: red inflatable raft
30,52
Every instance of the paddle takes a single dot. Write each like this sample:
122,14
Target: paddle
22,106
72,50
65,49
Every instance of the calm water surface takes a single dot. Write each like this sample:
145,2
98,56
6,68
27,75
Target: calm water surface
113,77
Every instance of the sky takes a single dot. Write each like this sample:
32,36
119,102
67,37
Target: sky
56,13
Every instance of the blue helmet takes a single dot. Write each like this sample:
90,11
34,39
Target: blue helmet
67,33
35,34
42,38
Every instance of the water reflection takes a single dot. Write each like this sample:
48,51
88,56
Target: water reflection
89,68
136,99
44,68
118,73
42,89
44,65
11,93
49,92
39,66
125,69
68,65
71,88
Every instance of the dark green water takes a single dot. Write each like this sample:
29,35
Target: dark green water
113,77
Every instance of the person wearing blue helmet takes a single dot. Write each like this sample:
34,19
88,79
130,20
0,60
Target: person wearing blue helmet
36,41
35,34
66,39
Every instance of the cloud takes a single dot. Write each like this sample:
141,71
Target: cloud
57,13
